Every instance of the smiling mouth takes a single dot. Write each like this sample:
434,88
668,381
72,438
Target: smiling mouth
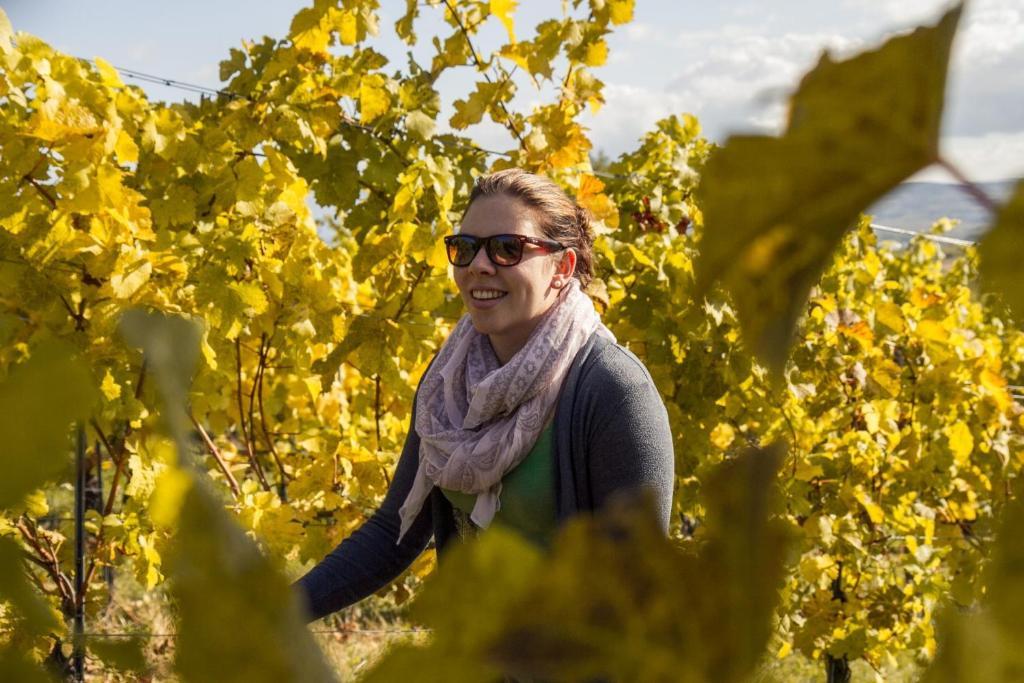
486,294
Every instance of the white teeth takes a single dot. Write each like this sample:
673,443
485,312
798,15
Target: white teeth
487,294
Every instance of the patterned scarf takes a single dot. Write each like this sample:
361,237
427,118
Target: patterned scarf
477,419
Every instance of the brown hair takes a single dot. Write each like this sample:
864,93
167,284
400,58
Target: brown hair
564,220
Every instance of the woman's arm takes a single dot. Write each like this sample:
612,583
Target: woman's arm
369,559
629,439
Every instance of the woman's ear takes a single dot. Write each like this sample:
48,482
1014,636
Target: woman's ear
565,269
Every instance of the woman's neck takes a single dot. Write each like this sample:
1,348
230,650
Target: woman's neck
504,347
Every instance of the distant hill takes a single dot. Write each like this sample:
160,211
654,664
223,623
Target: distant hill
915,206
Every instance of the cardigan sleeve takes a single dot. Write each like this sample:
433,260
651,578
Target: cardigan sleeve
629,439
370,558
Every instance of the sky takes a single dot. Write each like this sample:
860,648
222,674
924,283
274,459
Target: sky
730,63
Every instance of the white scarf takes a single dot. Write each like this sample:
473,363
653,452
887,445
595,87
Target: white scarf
477,419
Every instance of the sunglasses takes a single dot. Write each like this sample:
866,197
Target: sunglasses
503,250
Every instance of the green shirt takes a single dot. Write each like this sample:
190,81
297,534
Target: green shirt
527,501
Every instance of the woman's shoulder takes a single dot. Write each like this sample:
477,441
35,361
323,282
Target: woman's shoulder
610,366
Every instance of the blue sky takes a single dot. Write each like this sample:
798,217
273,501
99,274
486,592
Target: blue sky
730,62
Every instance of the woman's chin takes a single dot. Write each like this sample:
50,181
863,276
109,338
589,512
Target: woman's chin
482,323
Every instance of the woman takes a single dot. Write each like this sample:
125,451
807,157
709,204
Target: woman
529,413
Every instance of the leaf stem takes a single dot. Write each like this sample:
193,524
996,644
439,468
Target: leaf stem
969,186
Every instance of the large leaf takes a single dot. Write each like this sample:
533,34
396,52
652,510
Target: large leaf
239,619
1002,252
616,599
170,347
620,601
468,603
987,644
15,589
775,208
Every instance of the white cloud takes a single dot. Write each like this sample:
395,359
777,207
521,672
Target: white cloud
737,74
982,158
733,79
903,12
629,112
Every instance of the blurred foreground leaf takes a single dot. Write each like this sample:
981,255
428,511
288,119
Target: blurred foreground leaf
121,654
1002,252
987,644
39,400
15,589
14,667
616,599
775,208
238,618
476,588
29,607
170,346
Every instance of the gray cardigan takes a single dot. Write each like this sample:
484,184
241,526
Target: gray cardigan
611,434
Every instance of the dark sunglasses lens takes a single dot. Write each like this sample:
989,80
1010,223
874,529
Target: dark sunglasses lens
461,250
505,250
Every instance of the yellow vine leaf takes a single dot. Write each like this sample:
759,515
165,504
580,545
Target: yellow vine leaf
873,509
890,315
109,75
309,30
503,9
6,33
722,435
621,11
125,284
597,53
961,443
348,27
374,99
110,388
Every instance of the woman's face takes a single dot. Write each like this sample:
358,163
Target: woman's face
524,291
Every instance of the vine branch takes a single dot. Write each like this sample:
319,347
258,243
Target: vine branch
970,186
479,65
215,452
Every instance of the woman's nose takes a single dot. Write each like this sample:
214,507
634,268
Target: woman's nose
481,263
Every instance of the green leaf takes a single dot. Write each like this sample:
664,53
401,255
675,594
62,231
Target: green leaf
39,400
775,209
1001,252
620,601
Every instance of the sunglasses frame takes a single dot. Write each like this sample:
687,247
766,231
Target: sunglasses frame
487,243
